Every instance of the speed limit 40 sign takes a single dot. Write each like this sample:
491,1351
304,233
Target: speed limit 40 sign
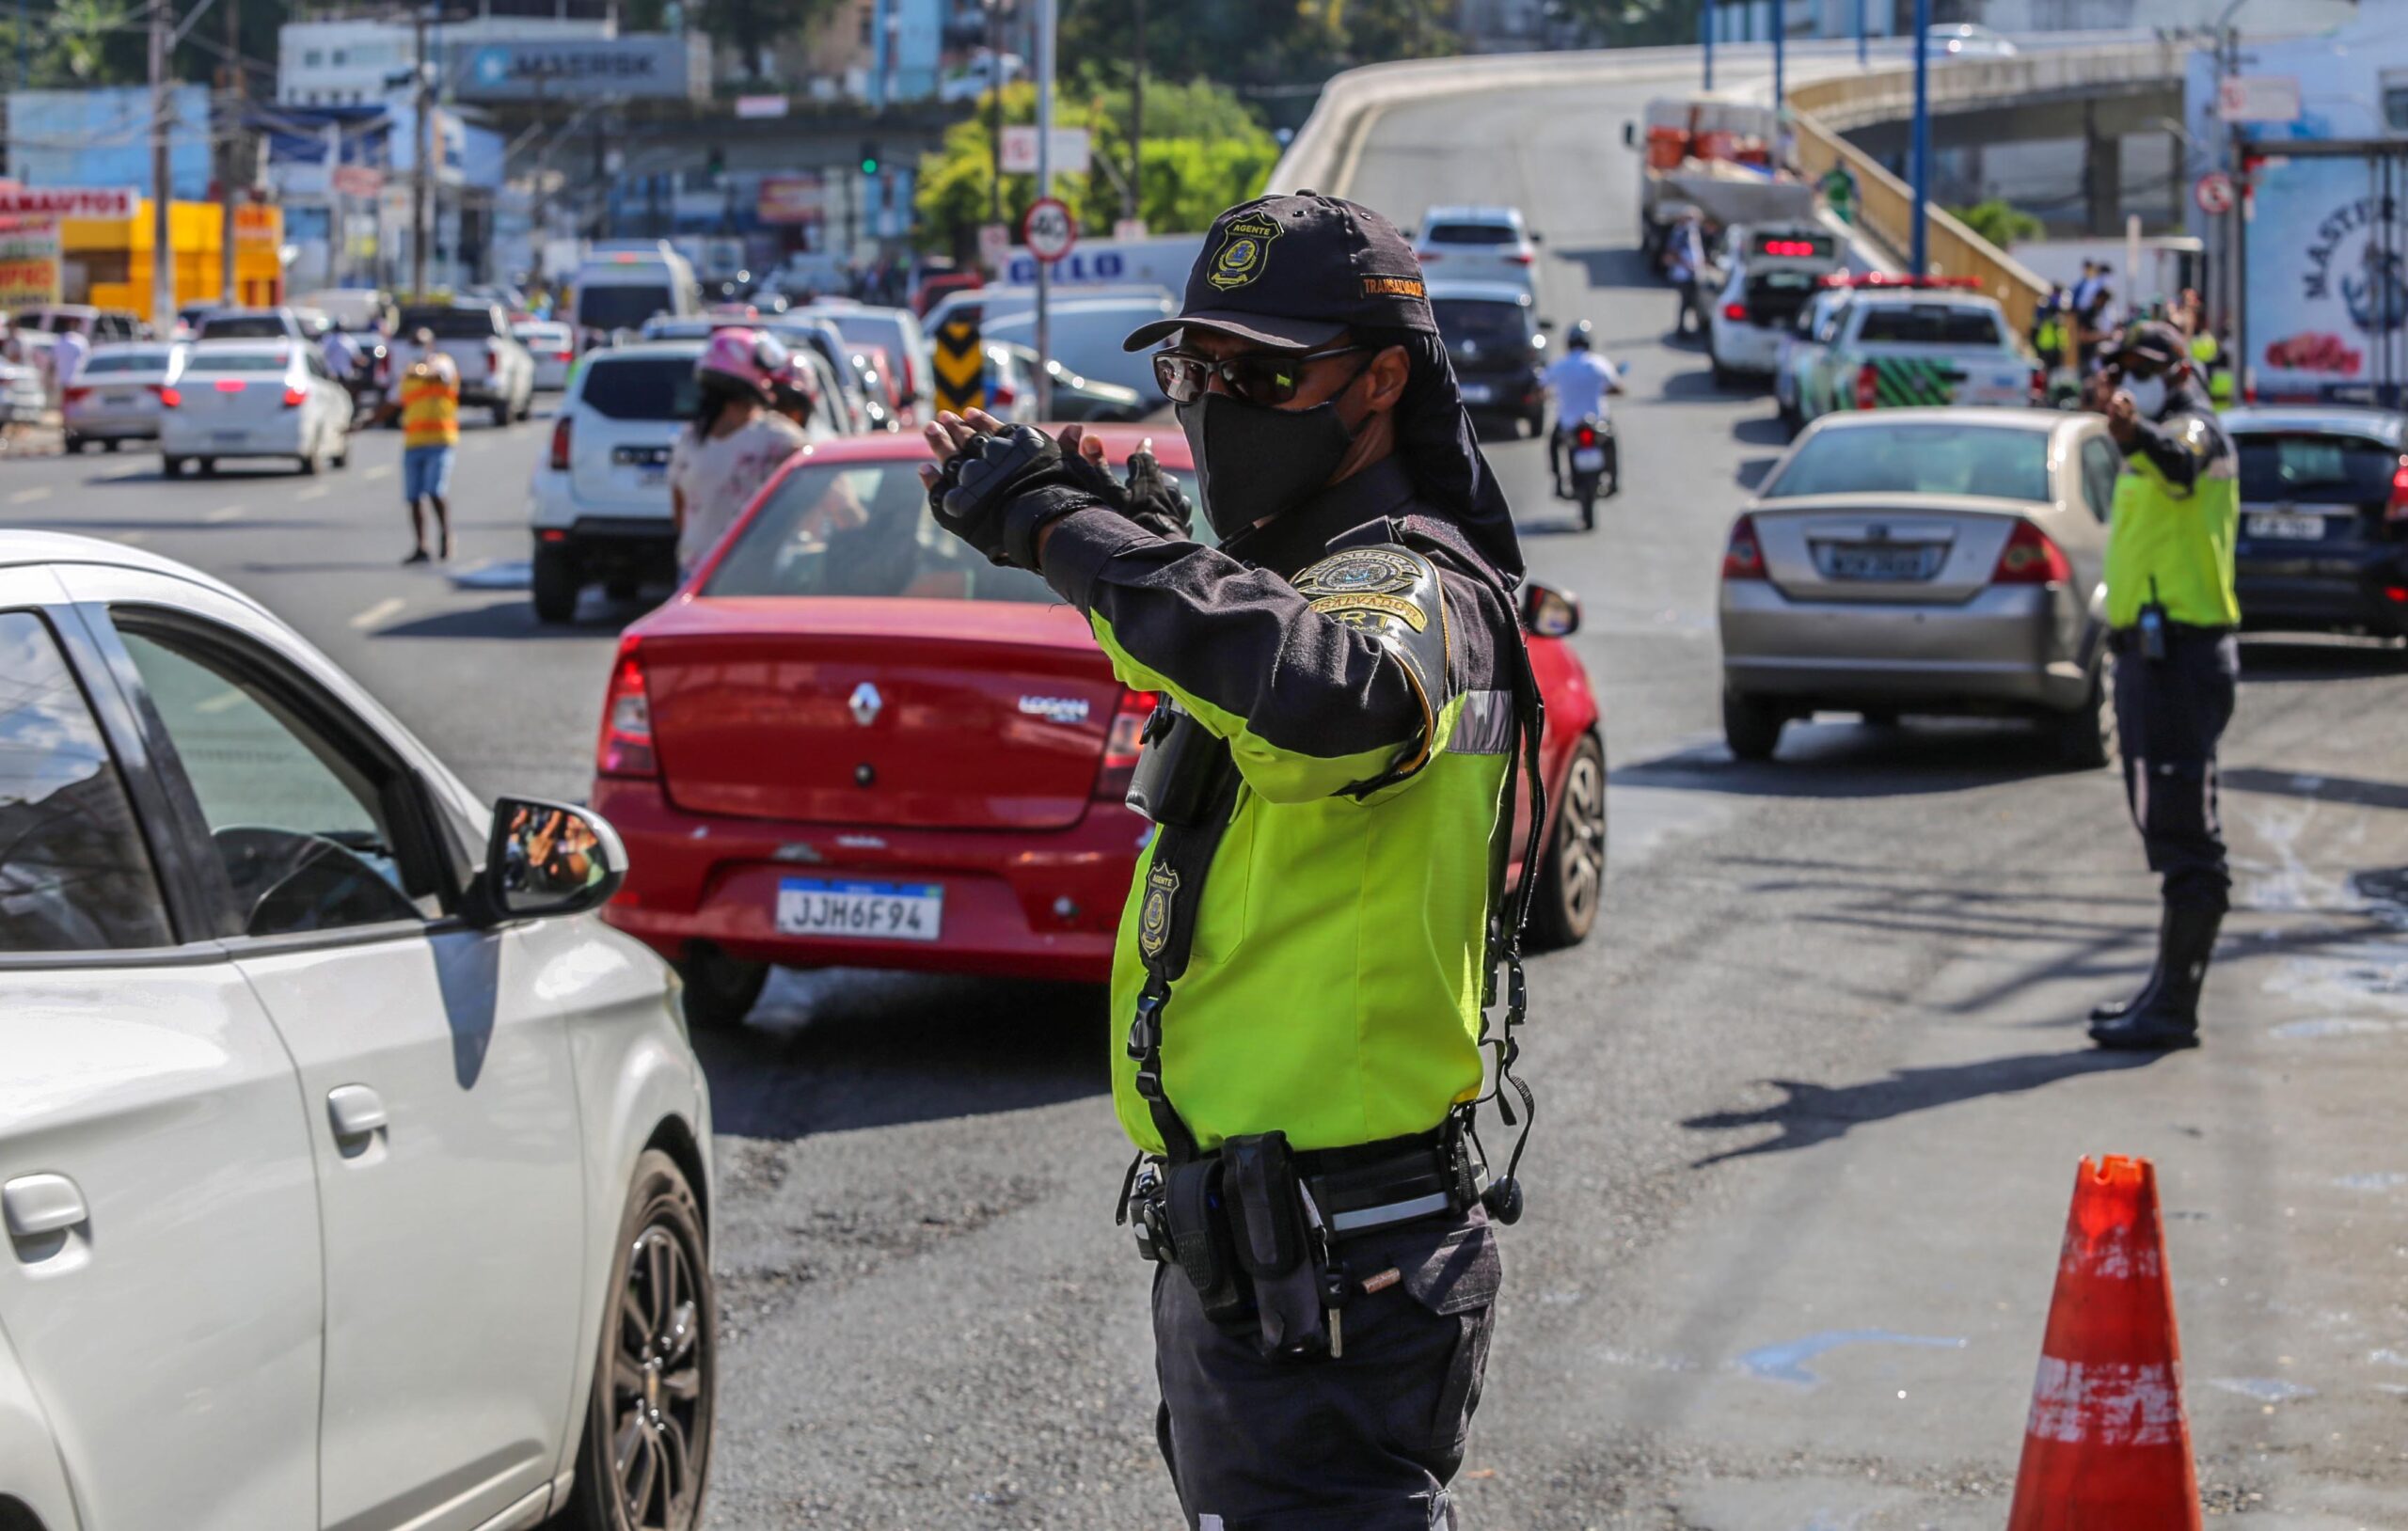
1048,231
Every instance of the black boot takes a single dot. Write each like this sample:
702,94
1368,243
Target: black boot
2116,1009
2167,1016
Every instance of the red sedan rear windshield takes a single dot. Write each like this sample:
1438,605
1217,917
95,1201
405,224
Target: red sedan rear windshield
860,529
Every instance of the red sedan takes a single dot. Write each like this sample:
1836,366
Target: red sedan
851,741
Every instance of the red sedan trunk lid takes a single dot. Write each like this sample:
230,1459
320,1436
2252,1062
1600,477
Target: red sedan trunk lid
886,714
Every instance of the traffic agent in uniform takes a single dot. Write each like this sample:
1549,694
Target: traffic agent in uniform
1313,940
2173,614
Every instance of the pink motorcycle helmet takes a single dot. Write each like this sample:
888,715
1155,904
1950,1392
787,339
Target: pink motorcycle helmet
745,357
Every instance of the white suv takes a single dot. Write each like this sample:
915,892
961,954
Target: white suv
600,498
1479,244
352,1172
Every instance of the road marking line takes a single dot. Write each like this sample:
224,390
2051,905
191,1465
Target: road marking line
26,497
316,491
382,470
391,605
224,514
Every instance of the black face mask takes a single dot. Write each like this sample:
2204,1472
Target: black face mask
1253,461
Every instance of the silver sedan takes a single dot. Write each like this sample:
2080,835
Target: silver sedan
1924,561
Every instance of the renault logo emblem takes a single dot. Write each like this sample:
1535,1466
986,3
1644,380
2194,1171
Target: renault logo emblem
865,703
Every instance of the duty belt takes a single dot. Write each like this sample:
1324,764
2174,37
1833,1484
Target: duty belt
1354,1190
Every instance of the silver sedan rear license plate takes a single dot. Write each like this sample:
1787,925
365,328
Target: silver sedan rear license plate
1881,563
2285,526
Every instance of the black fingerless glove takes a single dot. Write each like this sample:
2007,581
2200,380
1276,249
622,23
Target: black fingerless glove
1155,500
1001,490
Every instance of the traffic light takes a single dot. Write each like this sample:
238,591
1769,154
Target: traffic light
715,164
870,156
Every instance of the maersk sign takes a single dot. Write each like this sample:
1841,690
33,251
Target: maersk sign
581,69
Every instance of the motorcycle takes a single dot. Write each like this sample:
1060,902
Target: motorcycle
1595,458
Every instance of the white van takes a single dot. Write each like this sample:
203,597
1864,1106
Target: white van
619,289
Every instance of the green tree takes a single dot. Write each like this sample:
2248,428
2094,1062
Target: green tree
751,27
1203,152
1999,222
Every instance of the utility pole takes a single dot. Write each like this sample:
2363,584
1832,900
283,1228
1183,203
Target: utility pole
1137,118
1045,17
1780,72
1706,38
163,252
1919,262
996,111
1860,34
422,129
229,153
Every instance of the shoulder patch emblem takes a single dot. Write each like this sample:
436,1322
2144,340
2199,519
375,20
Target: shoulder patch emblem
1366,571
1244,251
1153,916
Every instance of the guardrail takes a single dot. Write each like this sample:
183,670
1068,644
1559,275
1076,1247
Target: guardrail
1321,153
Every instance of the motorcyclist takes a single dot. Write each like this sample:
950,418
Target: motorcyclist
1581,381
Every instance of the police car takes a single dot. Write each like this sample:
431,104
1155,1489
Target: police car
1774,272
1920,347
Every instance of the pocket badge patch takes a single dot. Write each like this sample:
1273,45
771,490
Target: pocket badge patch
1153,916
1243,250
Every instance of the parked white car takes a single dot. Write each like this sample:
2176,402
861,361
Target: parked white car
599,502
253,399
354,1173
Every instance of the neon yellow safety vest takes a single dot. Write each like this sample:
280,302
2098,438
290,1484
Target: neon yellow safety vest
2173,542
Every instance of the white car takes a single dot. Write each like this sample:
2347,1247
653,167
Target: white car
354,1173
1963,40
600,503
552,346
253,399
1773,273
1479,244
115,397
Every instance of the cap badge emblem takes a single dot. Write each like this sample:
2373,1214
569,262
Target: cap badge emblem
1244,249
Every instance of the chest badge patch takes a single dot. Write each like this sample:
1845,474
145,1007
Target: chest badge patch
1153,916
1244,251
1367,571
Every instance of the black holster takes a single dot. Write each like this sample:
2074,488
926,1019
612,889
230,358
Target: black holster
1193,1207
1284,1259
1178,779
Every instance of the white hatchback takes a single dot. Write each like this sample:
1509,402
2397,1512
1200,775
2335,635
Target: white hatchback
1479,244
353,1173
253,399
553,347
599,500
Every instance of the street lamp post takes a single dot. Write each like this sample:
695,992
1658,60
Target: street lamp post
1920,153
1045,27
1779,67
1860,34
1706,36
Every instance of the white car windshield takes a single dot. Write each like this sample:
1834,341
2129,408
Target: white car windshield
1995,462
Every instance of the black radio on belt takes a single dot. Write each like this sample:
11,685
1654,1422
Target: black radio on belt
1181,772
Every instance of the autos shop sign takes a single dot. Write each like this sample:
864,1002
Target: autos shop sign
71,201
2327,310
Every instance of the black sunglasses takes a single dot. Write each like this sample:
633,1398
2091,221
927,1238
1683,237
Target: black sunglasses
1258,377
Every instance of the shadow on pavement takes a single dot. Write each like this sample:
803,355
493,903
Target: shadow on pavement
845,1050
2323,789
1697,387
1761,430
88,524
1809,1114
2333,659
1751,471
1615,266
516,619
1857,760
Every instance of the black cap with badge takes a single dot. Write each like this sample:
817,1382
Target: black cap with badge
2154,342
1295,272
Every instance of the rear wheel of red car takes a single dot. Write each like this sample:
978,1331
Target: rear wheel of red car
647,1447
721,990
1572,876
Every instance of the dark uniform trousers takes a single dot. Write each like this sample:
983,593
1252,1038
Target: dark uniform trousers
1375,1432
2171,712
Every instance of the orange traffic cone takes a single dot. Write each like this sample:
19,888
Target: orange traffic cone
2108,1447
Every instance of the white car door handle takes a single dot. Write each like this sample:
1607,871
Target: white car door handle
355,1110
34,1204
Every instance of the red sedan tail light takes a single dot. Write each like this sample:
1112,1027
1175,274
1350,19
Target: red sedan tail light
294,398
1868,386
559,445
1735,313
169,398
75,395
2030,558
2039,384
1743,557
2394,512
1122,745
626,745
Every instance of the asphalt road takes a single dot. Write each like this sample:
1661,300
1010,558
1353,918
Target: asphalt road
1812,1098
